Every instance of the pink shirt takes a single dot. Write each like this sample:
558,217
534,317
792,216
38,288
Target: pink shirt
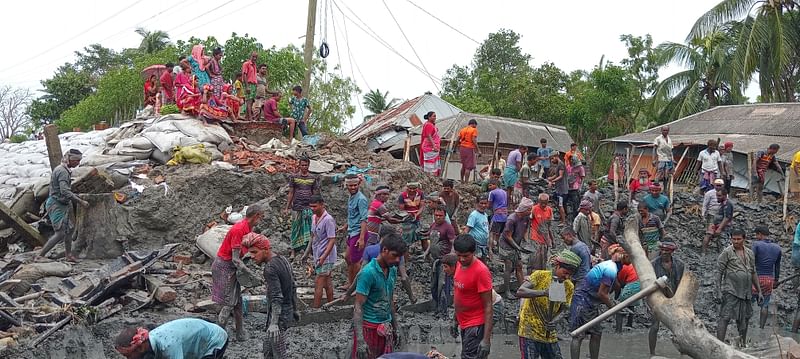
429,129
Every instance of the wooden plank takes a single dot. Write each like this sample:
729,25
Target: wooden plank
750,173
672,178
616,183
53,145
449,151
20,226
5,298
786,193
494,152
163,294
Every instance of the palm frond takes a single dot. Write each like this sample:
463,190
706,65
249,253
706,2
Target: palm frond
725,11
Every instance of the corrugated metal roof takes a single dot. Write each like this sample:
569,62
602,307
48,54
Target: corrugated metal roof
750,127
399,116
512,131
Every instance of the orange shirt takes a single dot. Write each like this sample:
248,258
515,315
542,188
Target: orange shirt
467,136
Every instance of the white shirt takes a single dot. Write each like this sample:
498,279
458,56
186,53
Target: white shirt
710,160
710,204
663,148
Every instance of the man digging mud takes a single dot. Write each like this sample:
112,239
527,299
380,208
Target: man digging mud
737,273
374,313
59,205
672,268
181,338
225,289
356,227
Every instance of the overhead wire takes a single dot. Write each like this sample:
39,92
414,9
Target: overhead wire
443,22
338,56
201,15
61,43
219,18
414,50
350,56
383,43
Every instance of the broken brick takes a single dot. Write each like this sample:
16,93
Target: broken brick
182,258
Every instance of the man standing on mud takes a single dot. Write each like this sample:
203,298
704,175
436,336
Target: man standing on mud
59,204
558,180
657,203
665,265
374,313
710,161
478,227
412,200
593,291
762,161
662,151
514,234
737,273
498,201
722,220
541,233
768,267
322,249
467,149
356,227
472,301
581,250
302,186
451,201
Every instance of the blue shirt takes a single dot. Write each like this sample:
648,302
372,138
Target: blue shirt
768,258
603,273
357,207
479,227
544,152
187,338
499,200
379,289
657,205
372,251
582,250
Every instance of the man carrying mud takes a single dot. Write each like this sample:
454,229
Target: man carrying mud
737,273
511,251
377,213
225,289
762,161
768,267
537,330
472,301
665,265
722,220
356,227
412,201
302,186
181,338
593,291
541,232
59,204
374,312
281,294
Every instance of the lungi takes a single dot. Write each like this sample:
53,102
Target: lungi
301,228
225,289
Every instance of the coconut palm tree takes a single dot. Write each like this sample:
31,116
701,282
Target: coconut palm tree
152,41
768,43
708,79
377,102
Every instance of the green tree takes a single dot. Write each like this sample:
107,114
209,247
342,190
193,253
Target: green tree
768,43
96,60
708,80
376,102
152,41
499,66
65,89
642,63
330,97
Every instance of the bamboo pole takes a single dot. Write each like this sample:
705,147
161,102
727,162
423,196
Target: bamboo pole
449,151
750,173
615,166
628,153
406,149
495,157
786,193
660,283
639,158
674,172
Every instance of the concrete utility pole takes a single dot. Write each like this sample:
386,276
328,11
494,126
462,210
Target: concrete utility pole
308,50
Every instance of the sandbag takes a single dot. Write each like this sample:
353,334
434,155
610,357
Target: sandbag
135,153
210,241
101,159
190,154
160,157
203,132
164,141
138,142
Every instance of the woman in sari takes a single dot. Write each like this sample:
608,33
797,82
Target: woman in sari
199,63
233,102
213,107
187,98
215,72
430,145
150,91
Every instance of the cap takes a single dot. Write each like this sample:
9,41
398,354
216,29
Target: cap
719,181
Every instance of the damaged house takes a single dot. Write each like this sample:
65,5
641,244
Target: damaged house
751,128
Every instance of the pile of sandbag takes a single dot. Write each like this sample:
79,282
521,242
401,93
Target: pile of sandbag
25,164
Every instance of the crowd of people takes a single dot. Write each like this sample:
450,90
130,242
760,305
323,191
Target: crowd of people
565,253
197,87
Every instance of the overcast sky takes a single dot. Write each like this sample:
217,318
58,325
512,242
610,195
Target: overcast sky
41,35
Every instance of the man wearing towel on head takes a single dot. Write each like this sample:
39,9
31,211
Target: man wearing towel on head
59,204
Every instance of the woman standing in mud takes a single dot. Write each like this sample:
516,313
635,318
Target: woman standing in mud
226,290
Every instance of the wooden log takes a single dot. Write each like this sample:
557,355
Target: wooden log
10,318
750,174
495,158
52,330
674,172
407,149
20,226
28,297
639,158
786,193
5,298
660,283
53,145
449,151
163,293
628,154
677,313
615,167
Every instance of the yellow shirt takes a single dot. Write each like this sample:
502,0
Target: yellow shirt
237,86
531,325
796,160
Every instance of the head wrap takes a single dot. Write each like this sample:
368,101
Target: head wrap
667,245
141,336
544,197
525,204
728,144
197,55
382,191
255,240
226,87
719,181
566,258
614,248
412,184
586,204
72,155
354,180
643,170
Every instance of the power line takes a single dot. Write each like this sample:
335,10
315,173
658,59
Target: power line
444,23
336,43
72,38
382,42
410,44
201,15
220,17
350,56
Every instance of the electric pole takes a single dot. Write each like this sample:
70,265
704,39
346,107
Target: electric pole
308,50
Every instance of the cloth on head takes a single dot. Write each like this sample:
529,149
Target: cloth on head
141,336
655,185
525,204
197,54
354,180
668,245
566,257
255,240
719,181
728,144
73,155
412,184
586,204
382,191
614,248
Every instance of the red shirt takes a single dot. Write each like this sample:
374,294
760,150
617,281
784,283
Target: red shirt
627,274
540,216
469,283
234,240
166,84
271,110
249,72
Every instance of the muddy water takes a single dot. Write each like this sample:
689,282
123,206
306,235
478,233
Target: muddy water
614,346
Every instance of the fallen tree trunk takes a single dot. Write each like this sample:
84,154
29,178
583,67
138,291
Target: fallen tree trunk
677,313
